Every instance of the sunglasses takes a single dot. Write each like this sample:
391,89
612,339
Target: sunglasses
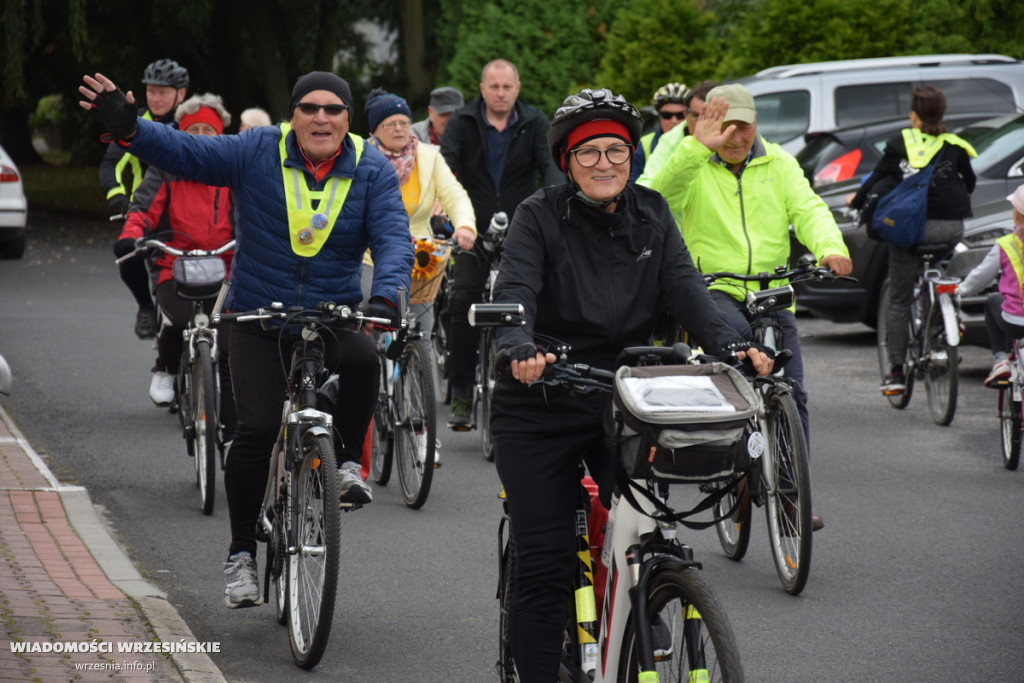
310,109
672,115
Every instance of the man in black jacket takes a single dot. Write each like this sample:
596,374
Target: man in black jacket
497,148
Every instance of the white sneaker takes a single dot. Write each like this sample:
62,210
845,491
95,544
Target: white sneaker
241,582
161,388
351,487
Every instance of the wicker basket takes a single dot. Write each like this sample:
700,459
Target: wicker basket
431,261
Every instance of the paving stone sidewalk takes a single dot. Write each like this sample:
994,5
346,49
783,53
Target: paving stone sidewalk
66,585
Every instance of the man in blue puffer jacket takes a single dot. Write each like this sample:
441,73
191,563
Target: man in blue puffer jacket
311,199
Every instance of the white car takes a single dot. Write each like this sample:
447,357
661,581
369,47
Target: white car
13,209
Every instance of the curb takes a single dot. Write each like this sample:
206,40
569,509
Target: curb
151,602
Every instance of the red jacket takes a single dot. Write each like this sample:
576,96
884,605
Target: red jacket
189,215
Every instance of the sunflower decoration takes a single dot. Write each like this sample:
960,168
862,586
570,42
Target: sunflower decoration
429,262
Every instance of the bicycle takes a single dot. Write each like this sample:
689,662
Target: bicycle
198,277
405,419
780,479
934,336
1011,394
299,518
661,620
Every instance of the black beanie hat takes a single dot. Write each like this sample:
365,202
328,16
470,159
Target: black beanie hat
320,80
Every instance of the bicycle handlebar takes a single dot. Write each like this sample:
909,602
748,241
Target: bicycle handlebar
804,270
323,313
143,243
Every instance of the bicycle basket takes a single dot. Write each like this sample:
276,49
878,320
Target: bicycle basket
428,270
198,277
680,423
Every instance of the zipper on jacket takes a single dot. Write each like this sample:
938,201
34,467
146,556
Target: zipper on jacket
743,223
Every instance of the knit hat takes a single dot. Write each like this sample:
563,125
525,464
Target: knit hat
446,99
740,101
381,104
202,115
320,80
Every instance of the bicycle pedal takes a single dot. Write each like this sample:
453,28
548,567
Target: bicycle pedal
893,392
349,507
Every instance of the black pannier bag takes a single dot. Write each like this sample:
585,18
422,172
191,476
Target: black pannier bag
198,277
680,423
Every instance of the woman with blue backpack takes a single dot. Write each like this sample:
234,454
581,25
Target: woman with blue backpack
924,147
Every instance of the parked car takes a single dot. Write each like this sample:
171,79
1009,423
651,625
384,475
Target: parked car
852,152
794,99
999,165
850,302
13,209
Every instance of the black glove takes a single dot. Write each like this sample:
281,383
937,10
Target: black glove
379,307
118,206
521,352
116,114
124,246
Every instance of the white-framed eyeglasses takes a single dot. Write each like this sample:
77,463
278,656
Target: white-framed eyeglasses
397,123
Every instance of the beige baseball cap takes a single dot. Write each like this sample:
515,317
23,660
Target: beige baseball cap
739,99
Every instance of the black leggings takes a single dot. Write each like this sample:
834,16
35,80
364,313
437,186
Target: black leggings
259,364
537,451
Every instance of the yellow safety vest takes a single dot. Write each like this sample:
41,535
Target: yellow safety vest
128,161
310,227
921,147
1014,250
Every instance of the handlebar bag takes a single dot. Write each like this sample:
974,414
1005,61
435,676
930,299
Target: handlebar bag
198,277
680,423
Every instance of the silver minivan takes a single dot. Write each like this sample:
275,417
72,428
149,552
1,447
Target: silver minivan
798,98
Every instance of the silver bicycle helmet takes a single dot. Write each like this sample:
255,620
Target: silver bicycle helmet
166,72
590,105
670,92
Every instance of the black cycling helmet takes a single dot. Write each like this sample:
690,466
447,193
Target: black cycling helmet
670,92
166,72
590,105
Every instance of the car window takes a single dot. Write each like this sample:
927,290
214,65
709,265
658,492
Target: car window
995,145
783,116
976,94
869,102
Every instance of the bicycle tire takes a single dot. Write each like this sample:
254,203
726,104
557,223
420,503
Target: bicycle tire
787,486
382,444
703,646
486,392
313,569
278,568
184,399
734,531
506,667
899,401
940,366
439,341
415,437
1010,428
205,421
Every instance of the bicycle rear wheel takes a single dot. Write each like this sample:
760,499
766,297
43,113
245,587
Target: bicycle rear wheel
313,568
692,637
416,424
506,667
787,485
204,420
941,367
734,530
487,391
1010,427
899,401
439,341
382,444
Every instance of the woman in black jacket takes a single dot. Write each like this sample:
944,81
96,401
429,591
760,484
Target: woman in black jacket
592,261
949,202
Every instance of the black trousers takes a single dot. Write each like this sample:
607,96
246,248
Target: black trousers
259,364
1001,334
537,451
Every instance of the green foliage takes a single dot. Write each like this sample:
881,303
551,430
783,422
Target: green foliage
49,112
556,46
653,42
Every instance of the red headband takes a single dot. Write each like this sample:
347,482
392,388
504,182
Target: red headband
596,129
203,115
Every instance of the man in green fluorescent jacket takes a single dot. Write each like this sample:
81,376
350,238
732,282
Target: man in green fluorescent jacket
735,196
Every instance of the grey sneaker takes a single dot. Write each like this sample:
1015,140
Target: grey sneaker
145,322
661,640
459,418
241,582
351,487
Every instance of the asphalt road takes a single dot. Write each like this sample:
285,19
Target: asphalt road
914,578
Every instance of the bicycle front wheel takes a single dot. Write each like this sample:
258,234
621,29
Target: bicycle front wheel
487,391
690,631
941,367
204,421
439,341
787,484
416,426
1010,423
506,667
313,565
898,401
382,445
